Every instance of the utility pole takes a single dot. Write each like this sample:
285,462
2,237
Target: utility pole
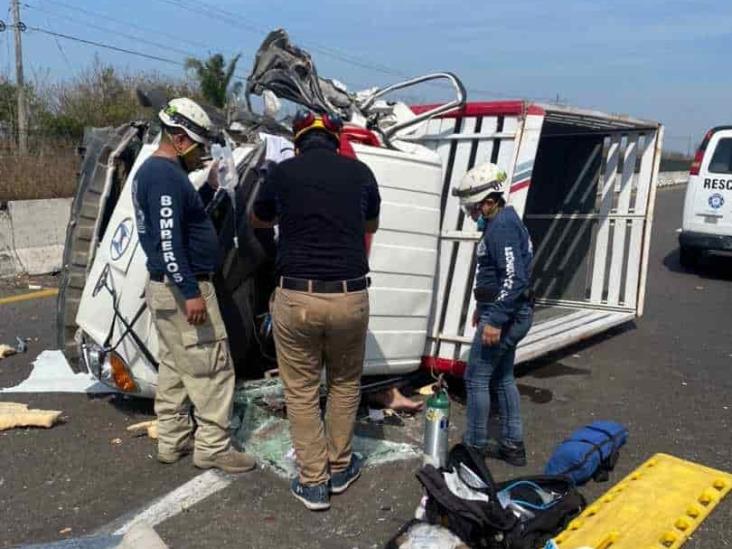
18,28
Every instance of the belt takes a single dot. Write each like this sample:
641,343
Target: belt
324,286
201,277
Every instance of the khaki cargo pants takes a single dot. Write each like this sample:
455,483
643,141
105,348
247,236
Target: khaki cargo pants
195,369
311,330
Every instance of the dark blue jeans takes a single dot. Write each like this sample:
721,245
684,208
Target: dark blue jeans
490,371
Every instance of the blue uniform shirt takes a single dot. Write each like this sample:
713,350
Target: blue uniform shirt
177,235
504,265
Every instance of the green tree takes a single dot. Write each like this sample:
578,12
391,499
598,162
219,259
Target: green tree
102,96
214,77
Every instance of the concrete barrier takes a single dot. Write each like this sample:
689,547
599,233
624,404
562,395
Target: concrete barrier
32,234
8,259
668,179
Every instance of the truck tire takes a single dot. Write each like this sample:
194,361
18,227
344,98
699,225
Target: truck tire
78,255
689,257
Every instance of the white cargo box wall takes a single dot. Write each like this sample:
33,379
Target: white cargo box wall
584,183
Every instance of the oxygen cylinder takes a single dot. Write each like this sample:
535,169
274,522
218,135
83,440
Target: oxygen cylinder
436,426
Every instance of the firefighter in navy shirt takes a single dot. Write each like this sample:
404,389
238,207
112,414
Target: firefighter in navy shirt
503,315
182,251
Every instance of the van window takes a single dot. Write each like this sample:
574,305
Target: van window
722,159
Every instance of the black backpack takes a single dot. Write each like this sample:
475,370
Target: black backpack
522,513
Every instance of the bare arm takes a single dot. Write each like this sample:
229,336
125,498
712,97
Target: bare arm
372,225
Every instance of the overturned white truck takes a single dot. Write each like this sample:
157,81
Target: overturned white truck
583,181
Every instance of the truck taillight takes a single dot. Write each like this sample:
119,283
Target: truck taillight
699,156
696,164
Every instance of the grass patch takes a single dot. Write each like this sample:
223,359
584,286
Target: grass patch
49,170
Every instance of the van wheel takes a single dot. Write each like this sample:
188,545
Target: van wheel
689,257
88,212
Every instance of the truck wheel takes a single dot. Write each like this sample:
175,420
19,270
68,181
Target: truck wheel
78,256
689,257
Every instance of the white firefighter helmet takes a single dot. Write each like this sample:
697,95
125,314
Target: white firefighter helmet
187,115
479,182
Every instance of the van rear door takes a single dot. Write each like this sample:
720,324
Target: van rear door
708,206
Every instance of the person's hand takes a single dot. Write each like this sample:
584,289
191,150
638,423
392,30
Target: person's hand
196,310
476,318
213,175
491,335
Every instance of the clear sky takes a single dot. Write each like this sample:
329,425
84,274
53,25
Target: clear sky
666,60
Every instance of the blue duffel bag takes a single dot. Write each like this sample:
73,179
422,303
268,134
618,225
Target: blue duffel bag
589,453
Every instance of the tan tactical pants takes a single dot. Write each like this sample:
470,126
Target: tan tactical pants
310,330
195,368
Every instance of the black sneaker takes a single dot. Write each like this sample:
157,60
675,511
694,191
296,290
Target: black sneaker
339,482
315,498
513,453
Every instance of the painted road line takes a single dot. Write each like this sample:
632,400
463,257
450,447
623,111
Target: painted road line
173,503
48,292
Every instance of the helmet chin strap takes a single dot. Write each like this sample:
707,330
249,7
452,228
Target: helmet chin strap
177,150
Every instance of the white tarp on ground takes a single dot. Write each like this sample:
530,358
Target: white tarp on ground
52,374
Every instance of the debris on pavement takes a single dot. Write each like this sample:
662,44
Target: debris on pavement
376,414
65,531
16,414
420,535
116,441
6,351
52,374
22,345
145,427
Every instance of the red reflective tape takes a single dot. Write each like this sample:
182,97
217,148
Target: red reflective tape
486,108
520,185
444,365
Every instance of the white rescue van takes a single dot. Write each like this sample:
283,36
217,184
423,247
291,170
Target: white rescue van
707,218
583,181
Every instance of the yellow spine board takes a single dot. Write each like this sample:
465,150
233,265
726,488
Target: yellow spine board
657,506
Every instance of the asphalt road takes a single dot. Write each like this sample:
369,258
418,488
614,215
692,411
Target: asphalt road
668,377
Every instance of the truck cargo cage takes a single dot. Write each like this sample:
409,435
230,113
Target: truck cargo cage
583,182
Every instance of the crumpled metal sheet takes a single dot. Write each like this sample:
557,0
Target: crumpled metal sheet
289,72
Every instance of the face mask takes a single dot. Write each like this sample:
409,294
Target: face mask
190,159
482,223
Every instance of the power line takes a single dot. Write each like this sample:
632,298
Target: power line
107,29
98,15
105,46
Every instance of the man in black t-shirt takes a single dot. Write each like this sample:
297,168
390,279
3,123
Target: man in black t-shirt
324,204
